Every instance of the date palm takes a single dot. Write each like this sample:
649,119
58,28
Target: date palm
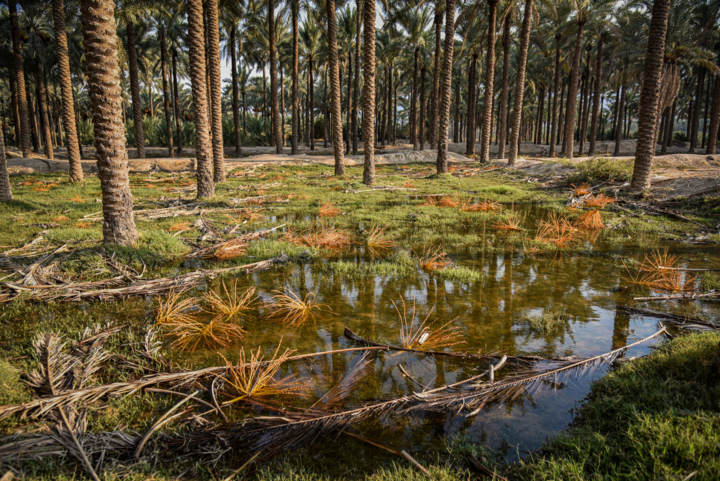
65,81
489,83
335,87
520,82
103,80
295,12
445,91
650,95
21,88
504,92
369,90
275,106
5,189
435,94
213,49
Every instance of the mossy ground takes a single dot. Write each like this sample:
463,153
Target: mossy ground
412,225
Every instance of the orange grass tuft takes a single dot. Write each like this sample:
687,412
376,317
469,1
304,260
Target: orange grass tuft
409,185
292,310
430,201
378,239
590,220
579,191
228,250
599,200
660,271
77,198
173,309
328,209
82,225
61,218
320,236
558,231
421,335
484,206
254,377
448,201
510,223
180,226
432,260
233,305
194,333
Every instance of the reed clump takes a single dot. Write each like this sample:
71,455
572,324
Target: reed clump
414,334
660,271
377,239
558,231
291,309
319,235
433,259
328,209
510,222
591,220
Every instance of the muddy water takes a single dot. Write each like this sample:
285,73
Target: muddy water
587,285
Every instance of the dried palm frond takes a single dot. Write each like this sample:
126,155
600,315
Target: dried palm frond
347,382
599,200
247,214
191,333
180,226
484,206
61,218
581,190
590,220
510,222
255,377
172,309
294,311
209,231
233,305
77,198
82,225
328,209
56,365
228,250
319,235
659,271
558,231
432,260
413,335
409,185
377,239
511,387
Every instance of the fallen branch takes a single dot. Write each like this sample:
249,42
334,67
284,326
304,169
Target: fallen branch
686,297
670,317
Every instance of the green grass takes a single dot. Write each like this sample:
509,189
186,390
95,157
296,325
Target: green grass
601,169
709,282
460,274
654,418
547,322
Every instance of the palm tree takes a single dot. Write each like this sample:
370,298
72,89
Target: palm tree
502,124
596,96
520,83
213,48
436,74
128,13
356,81
335,89
68,105
489,84
103,79
166,94
275,107
369,90
442,165
714,119
554,130
295,5
198,79
5,189
21,89
650,95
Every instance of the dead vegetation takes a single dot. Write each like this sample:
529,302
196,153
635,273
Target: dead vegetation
558,231
510,222
660,271
430,259
292,310
414,333
319,236
377,239
328,209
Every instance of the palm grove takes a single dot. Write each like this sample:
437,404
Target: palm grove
137,73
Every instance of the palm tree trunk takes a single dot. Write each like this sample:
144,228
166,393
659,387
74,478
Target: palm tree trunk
356,83
213,35
556,80
696,110
5,189
42,107
33,118
456,111
68,108
487,116
413,100
520,83
176,102
669,127
621,121
275,104
235,89
311,107
446,90
135,91
198,76
707,105
572,92
714,119
596,97
22,101
435,94
326,112
369,91
422,109
349,99
650,95
103,80
389,105
470,147
295,6
282,106
502,126
166,93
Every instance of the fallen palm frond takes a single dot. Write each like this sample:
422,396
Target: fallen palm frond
510,222
255,377
432,260
658,271
293,310
513,386
409,185
590,220
105,289
247,214
77,198
581,190
172,309
483,206
232,248
377,239
346,383
599,200
209,231
673,318
328,209
180,226
61,218
233,305
557,231
318,236
414,334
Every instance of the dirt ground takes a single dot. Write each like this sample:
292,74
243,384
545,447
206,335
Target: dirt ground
674,174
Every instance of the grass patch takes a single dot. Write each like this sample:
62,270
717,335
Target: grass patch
709,282
655,418
460,274
601,169
547,322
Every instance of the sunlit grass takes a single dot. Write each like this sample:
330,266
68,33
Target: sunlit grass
378,239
